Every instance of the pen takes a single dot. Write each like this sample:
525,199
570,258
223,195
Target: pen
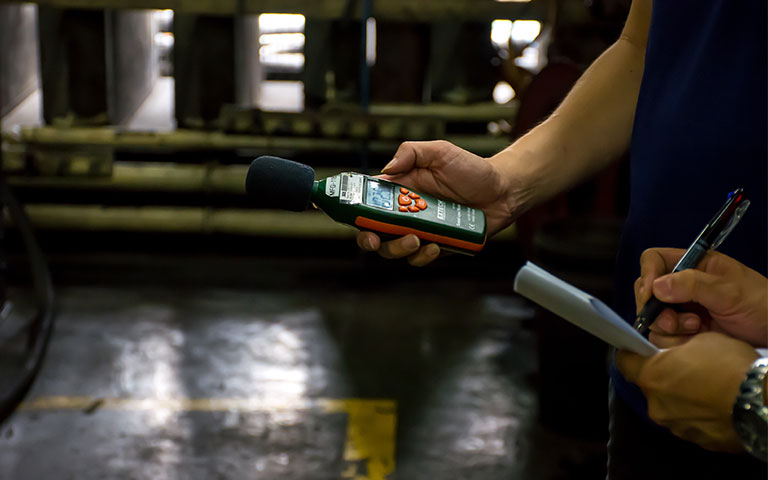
710,238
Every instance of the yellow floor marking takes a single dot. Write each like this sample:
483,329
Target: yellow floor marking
370,436
371,424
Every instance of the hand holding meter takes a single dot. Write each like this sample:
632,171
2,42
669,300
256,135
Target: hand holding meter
368,203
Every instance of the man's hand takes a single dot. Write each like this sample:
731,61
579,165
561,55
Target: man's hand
721,295
691,389
446,171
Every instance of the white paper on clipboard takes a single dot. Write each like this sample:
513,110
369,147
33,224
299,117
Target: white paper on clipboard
580,308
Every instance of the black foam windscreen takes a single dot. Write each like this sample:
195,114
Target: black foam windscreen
278,183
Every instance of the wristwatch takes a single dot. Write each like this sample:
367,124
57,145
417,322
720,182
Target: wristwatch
750,414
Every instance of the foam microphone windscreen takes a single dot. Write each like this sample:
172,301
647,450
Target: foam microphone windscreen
278,183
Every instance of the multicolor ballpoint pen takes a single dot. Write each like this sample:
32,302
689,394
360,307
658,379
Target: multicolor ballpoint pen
709,239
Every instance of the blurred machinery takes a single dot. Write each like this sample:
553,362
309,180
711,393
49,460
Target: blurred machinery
140,119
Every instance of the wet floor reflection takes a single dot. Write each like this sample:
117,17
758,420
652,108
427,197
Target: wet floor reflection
244,384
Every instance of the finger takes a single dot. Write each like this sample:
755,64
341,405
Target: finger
643,291
672,323
691,285
689,323
399,248
666,323
668,341
655,262
640,295
368,241
630,364
425,255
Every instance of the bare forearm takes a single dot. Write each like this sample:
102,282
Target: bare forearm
590,129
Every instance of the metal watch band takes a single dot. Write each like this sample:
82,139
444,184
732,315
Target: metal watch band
750,414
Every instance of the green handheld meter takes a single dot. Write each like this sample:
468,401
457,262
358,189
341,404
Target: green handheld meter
368,203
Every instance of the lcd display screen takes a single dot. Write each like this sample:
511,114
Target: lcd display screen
379,195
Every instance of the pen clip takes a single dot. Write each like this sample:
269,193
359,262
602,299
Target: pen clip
735,218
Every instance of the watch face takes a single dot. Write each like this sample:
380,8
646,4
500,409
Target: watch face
752,427
750,415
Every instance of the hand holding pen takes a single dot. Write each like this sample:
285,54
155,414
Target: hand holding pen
710,238
720,295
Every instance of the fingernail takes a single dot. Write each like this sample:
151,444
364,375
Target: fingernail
389,165
690,323
411,242
433,250
662,285
368,243
666,323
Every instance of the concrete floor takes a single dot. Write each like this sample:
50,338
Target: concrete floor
354,378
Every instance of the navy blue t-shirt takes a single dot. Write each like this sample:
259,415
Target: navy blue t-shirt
700,131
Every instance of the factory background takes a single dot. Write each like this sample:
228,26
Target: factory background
189,335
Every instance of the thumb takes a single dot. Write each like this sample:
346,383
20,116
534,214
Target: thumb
412,155
630,364
403,161
694,286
